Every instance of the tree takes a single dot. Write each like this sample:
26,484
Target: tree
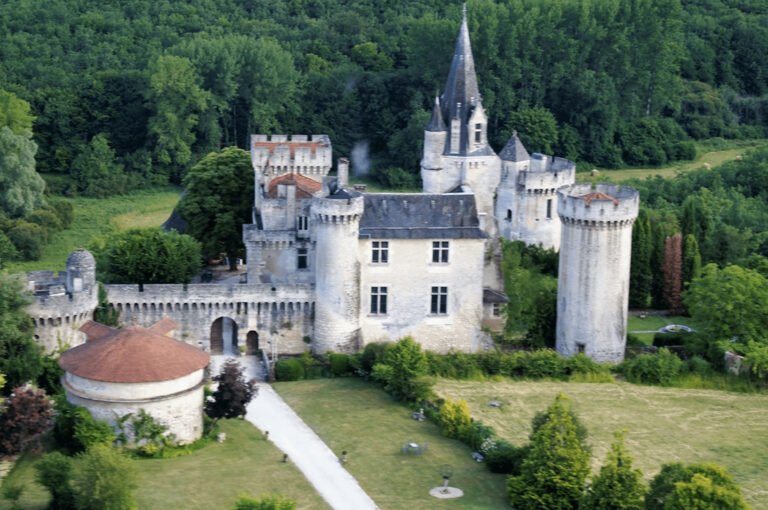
266,503
148,255
729,303
178,99
537,128
21,188
691,259
401,369
95,171
15,114
20,356
673,282
103,479
618,486
232,394
7,250
26,415
28,238
555,469
694,487
640,275
218,201
54,472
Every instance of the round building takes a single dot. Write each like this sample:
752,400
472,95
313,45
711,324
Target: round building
119,372
593,279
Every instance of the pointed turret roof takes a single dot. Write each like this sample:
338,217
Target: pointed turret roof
436,123
461,92
514,150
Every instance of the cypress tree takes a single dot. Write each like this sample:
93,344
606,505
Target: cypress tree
640,276
618,486
691,259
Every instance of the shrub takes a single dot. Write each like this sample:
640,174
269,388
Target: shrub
698,365
26,416
46,219
90,432
340,364
454,365
289,370
54,472
679,486
373,354
232,394
583,364
504,457
103,479
668,339
265,503
454,419
476,434
401,371
29,239
660,368
63,209
545,363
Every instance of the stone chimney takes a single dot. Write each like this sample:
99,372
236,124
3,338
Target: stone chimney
342,173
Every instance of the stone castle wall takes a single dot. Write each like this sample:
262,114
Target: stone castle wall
58,316
280,315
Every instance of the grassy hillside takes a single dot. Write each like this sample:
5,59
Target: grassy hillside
98,216
663,424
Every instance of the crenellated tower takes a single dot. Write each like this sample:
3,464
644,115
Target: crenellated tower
336,217
593,279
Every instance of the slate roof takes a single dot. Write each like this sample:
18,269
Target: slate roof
420,216
514,150
494,296
132,355
436,123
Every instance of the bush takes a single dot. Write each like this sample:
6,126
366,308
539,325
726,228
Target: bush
660,368
340,364
289,370
698,365
64,210
265,503
54,472
91,432
545,363
373,354
669,339
46,219
26,415
232,394
454,365
504,457
29,239
454,419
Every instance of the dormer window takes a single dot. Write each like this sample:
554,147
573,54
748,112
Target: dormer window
478,133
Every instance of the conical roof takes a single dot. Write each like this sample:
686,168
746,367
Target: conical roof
514,150
461,93
436,123
133,355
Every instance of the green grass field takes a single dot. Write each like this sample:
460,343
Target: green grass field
209,479
96,217
712,158
663,424
349,414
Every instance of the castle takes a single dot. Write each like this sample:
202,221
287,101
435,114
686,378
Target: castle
332,268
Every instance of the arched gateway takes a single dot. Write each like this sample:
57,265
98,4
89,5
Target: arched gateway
224,336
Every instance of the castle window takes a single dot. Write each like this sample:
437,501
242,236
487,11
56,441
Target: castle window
302,258
440,252
439,301
496,310
380,252
509,214
455,136
580,347
549,208
302,223
478,133
378,300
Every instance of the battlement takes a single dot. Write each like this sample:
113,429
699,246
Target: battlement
341,207
603,205
272,238
278,154
179,293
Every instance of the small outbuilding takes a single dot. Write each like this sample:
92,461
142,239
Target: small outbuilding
122,371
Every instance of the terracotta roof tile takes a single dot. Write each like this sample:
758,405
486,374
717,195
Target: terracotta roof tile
589,197
163,326
133,355
305,187
94,330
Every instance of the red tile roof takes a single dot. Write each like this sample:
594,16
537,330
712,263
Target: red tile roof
133,355
94,330
163,326
589,197
305,187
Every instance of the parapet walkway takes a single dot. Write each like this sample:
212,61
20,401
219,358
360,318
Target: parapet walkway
269,412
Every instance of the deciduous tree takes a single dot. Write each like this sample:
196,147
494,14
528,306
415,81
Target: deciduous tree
25,416
232,394
104,479
20,356
218,201
21,188
694,487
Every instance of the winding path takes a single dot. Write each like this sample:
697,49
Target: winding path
269,412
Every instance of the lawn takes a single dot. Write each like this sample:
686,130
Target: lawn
654,323
210,478
98,216
712,158
352,415
663,424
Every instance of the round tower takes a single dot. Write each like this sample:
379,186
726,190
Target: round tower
593,279
337,276
81,271
434,145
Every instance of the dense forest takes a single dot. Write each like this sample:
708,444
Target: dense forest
131,93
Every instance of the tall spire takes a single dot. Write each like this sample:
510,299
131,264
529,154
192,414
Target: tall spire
436,123
461,94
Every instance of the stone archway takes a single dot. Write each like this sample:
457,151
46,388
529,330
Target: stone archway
252,342
224,336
